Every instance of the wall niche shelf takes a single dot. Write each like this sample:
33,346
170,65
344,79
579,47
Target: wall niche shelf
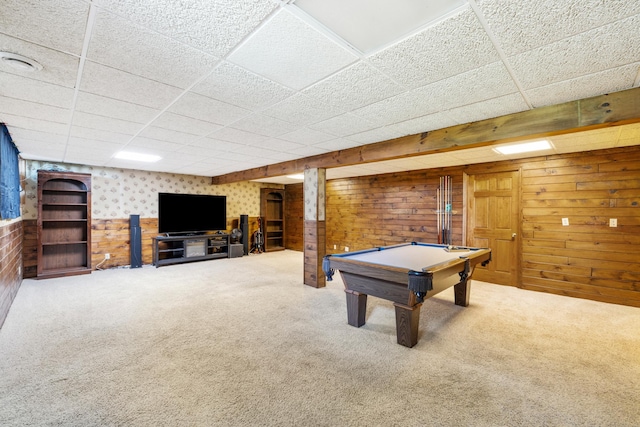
64,224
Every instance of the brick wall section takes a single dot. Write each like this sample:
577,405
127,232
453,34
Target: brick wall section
10,265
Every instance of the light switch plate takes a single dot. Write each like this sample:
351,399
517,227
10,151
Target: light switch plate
565,221
613,222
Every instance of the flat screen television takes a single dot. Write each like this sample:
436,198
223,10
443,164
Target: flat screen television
191,213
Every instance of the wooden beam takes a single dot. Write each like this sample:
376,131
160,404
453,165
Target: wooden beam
608,110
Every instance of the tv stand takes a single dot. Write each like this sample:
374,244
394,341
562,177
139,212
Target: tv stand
179,249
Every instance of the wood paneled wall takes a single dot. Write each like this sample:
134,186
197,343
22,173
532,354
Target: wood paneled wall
293,217
388,209
587,259
10,265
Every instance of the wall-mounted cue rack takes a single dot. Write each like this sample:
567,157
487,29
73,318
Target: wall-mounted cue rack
444,212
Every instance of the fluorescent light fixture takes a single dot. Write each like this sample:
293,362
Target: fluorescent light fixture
138,157
525,147
296,176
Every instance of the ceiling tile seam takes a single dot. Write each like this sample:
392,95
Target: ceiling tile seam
91,18
636,81
500,51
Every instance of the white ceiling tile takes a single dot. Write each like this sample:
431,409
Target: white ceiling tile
281,145
234,85
34,124
168,135
93,144
337,144
522,26
424,123
251,155
375,135
180,123
354,87
219,145
607,81
302,110
94,121
108,107
36,150
399,108
18,87
106,81
57,67
33,136
99,135
58,24
263,125
306,136
503,105
343,125
204,108
152,145
239,136
283,157
121,44
450,47
294,61
600,49
309,150
214,26
203,152
34,110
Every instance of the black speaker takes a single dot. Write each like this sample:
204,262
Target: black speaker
135,237
244,227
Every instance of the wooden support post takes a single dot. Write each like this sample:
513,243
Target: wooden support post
314,226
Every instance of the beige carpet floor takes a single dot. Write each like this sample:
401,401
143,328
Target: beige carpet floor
242,342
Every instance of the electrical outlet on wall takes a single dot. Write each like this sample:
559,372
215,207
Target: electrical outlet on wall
107,256
565,221
346,248
613,222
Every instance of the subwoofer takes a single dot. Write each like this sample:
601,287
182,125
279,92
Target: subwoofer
135,238
244,227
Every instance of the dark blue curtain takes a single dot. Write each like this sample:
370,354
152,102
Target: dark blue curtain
9,176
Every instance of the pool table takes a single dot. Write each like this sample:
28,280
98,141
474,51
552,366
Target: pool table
405,274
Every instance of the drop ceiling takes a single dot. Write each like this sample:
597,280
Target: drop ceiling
220,86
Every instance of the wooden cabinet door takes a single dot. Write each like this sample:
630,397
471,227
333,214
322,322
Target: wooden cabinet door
493,222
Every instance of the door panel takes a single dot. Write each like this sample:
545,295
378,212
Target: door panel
493,222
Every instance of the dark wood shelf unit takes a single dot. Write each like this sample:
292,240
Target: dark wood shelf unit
272,213
178,249
64,224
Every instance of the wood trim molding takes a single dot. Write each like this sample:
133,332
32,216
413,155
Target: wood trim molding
602,111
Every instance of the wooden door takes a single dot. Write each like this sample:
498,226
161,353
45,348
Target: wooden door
493,222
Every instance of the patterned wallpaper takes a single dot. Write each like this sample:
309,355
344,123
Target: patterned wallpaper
118,193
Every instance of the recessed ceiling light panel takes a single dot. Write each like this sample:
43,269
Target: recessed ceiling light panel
370,25
19,62
137,157
525,147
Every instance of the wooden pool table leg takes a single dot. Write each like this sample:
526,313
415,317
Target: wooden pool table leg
407,320
356,307
462,290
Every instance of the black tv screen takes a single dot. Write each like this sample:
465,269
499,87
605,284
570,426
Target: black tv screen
191,213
